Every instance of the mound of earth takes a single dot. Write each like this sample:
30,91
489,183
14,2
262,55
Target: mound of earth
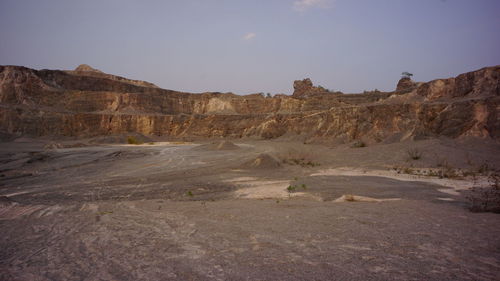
222,145
263,161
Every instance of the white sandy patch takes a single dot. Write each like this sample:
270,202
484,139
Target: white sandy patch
445,199
242,179
15,193
160,143
356,198
451,183
449,191
89,207
253,188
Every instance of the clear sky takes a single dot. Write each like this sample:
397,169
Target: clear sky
245,46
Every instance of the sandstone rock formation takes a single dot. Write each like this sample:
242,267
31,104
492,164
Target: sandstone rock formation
87,70
405,85
305,88
89,103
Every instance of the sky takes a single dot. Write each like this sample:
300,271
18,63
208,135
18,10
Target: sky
245,47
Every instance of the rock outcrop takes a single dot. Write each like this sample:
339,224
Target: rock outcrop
405,85
305,88
87,103
86,68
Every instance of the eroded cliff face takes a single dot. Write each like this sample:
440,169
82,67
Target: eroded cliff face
86,103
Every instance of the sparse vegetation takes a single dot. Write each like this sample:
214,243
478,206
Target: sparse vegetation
358,144
406,74
301,162
293,187
441,162
414,153
300,158
484,168
133,140
441,172
189,193
486,199
408,170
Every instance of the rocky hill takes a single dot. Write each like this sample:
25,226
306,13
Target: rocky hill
87,102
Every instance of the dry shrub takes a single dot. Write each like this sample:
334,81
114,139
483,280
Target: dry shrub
133,140
486,199
358,144
414,153
302,157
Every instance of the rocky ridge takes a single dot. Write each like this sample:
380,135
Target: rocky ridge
86,102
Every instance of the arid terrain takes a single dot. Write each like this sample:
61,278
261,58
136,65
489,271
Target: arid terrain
106,178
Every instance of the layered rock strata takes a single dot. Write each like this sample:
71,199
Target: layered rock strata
86,102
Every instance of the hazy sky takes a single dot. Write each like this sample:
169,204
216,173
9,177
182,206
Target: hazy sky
247,46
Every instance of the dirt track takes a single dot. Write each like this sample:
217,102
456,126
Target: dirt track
178,212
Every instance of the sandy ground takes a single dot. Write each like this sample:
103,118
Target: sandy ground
184,211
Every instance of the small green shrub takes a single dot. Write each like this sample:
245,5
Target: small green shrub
189,193
133,140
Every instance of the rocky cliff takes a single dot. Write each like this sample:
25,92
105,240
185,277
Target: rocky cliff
86,102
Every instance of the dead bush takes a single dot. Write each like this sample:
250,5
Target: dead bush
414,153
358,144
303,157
486,199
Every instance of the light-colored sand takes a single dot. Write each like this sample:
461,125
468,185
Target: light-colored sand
451,183
449,191
253,188
356,198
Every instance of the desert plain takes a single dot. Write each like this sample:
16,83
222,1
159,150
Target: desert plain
243,210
